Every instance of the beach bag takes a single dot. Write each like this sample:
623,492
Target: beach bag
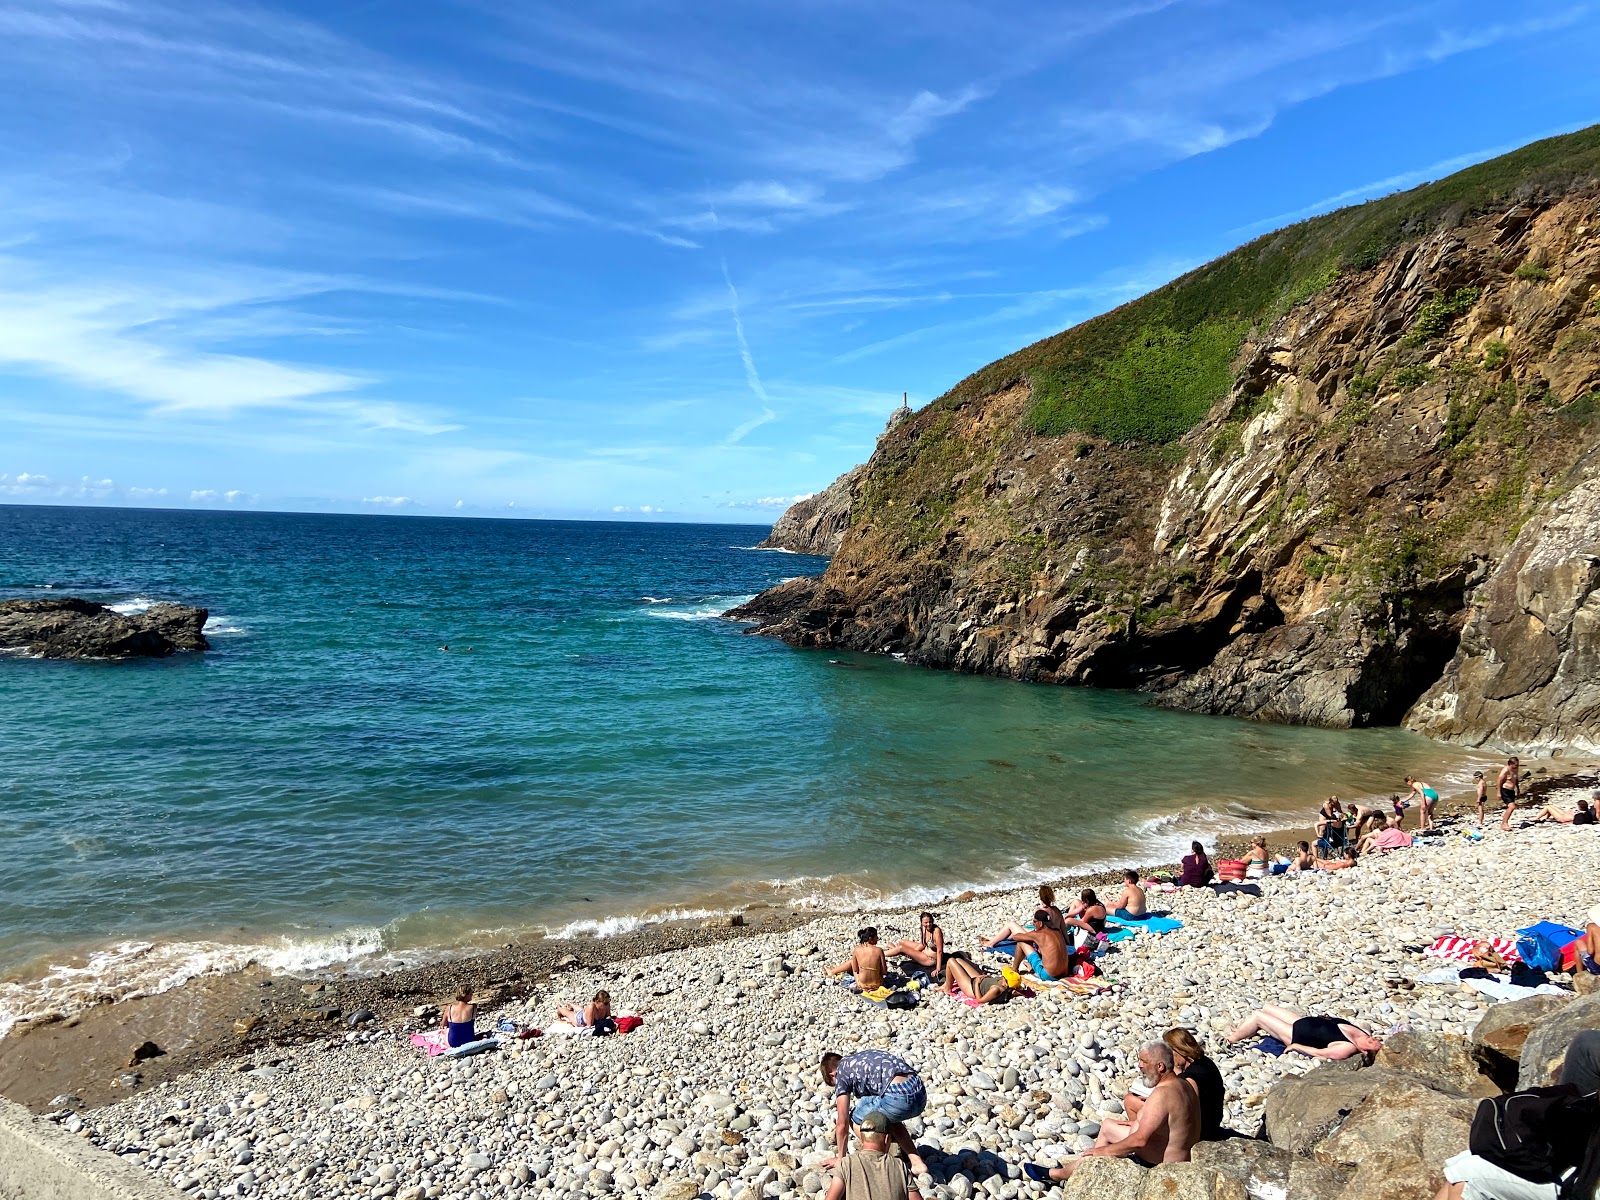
901,1000
1231,870
1537,1134
605,1027
628,1024
1538,951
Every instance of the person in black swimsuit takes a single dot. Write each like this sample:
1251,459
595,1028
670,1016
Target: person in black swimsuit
1509,780
1087,916
1320,1037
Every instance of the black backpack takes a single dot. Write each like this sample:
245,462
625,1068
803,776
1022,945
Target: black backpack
1538,1134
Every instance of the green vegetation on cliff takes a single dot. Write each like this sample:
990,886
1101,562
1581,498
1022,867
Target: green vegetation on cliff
1149,371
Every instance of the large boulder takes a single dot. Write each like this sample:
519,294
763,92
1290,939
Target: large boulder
1263,1169
1300,1112
1443,1060
1548,1040
1104,1179
1189,1181
1398,1138
72,628
1499,1035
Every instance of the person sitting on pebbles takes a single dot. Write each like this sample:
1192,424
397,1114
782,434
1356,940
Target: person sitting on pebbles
587,1017
928,950
1047,905
1166,1129
1087,918
872,1173
1390,837
1043,950
1303,859
963,977
877,1082
458,1020
1195,868
1134,903
1192,1063
866,962
1321,1037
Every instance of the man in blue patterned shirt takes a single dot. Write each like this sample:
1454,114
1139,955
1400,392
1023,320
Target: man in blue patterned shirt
875,1081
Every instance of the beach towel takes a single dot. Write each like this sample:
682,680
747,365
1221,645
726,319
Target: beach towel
1024,992
1118,933
1497,988
1153,923
430,1043
878,994
1460,949
1006,947
1271,1045
568,1029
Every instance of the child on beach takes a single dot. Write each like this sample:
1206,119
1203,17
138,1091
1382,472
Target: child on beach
872,1173
1133,903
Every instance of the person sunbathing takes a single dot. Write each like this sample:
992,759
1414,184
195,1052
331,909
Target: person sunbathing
1346,860
1303,859
961,977
1390,837
1133,903
1166,1129
1582,815
1047,905
1321,1037
866,962
928,950
589,1015
458,1020
1044,950
1086,918
1259,863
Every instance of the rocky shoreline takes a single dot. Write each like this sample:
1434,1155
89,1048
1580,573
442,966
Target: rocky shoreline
219,1019
717,1092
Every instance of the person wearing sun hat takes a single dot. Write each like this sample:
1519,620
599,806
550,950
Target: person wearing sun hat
873,1172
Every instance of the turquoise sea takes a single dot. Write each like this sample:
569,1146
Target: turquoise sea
596,747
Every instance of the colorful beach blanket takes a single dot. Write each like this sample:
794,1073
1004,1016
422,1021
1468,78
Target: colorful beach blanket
433,1043
1460,949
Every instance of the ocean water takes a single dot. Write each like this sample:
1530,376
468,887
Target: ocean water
595,748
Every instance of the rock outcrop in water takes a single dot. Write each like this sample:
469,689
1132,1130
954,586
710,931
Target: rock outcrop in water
1343,476
817,524
73,628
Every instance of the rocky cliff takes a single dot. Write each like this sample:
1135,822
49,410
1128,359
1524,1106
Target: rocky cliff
1342,476
72,628
817,524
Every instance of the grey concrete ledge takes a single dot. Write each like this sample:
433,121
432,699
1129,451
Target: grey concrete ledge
41,1161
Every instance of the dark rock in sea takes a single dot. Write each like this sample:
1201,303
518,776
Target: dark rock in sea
143,1051
74,628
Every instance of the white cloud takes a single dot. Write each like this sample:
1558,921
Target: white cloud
145,493
213,496
767,502
393,501
41,487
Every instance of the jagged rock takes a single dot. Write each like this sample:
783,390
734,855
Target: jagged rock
1189,1181
1300,1112
73,628
1443,1060
1498,1037
1527,673
1548,1039
817,524
1263,1169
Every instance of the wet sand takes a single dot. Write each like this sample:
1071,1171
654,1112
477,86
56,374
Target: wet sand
216,1018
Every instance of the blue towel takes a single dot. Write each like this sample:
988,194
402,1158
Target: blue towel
1272,1046
1007,948
1119,933
1150,924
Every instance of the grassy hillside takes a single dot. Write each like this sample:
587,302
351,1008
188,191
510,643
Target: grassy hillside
1149,371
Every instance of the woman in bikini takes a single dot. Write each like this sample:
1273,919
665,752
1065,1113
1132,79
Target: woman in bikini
458,1020
928,950
961,977
1330,820
584,1018
1087,916
1047,902
1258,865
1320,1037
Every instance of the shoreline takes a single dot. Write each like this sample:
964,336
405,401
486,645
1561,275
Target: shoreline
213,1019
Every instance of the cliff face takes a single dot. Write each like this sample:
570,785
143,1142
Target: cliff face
817,524
1390,496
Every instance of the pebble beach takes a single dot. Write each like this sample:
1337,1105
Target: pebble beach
719,1093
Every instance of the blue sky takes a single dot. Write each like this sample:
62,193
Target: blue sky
650,259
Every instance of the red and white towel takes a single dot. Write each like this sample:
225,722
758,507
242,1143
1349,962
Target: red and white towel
1460,949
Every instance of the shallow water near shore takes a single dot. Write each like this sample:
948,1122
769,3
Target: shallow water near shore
596,747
